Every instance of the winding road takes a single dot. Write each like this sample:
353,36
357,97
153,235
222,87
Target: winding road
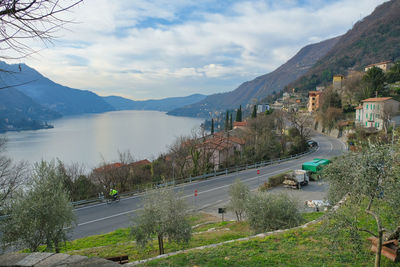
102,218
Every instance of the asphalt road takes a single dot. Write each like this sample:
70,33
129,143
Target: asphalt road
103,218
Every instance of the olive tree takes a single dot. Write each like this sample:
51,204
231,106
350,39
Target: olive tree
370,184
164,215
238,193
41,214
270,211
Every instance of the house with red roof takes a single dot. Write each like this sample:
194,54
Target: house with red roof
221,147
376,112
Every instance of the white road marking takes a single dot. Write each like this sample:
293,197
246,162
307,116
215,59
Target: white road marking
108,217
190,195
186,196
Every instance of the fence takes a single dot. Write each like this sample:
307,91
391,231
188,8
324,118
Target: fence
206,175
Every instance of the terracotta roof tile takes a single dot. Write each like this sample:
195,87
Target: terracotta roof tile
376,99
239,123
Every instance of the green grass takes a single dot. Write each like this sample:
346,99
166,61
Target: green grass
301,247
236,230
119,242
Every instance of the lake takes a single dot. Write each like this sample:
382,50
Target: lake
90,138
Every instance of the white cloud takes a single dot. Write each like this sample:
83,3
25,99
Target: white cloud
152,50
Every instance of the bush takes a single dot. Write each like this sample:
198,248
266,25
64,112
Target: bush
267,212
275,180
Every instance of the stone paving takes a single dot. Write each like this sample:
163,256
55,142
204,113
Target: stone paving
52,260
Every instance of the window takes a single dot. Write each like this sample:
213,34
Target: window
367,107
366,123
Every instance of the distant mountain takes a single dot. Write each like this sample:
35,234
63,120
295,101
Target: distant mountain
20,112
262,86
374,39
166,104
53,96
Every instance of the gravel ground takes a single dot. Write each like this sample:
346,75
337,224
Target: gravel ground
312,191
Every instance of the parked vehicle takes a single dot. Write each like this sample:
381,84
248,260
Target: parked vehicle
316,165
312,143
297,179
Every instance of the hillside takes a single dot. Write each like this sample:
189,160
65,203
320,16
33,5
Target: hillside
374,39
261,86
166,104
53,96
20,112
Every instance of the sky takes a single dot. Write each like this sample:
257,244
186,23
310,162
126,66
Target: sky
166,48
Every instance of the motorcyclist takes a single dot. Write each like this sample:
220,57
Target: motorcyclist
113,193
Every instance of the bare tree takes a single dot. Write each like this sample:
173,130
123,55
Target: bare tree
11,175
180,153
302,122
22,20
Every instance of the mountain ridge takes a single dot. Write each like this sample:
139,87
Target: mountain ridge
373,39
164,104
56,97
261,86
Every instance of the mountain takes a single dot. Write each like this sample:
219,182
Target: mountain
53,96
166,104
375,38
261,86
20,112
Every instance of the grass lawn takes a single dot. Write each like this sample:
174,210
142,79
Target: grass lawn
208,230
302,247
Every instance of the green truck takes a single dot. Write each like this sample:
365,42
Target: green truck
316,165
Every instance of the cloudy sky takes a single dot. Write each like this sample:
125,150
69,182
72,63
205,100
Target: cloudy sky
154,49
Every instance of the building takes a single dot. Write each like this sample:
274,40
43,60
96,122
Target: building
261,108
375,112
313,100
239,124
385,66
277,105
338,81
221,148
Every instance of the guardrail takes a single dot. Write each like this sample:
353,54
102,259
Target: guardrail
206,175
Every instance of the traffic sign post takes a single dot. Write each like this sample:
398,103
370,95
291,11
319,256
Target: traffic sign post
222,211
258,177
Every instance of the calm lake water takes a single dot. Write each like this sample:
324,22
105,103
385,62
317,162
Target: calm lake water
89,138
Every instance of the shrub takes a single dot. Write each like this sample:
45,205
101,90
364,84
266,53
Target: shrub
275,180
267,212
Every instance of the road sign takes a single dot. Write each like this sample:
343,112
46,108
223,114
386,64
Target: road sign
258,171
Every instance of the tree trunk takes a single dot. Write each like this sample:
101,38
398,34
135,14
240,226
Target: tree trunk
161,244
379,250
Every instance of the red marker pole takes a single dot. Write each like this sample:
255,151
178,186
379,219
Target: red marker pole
194,198
258,178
